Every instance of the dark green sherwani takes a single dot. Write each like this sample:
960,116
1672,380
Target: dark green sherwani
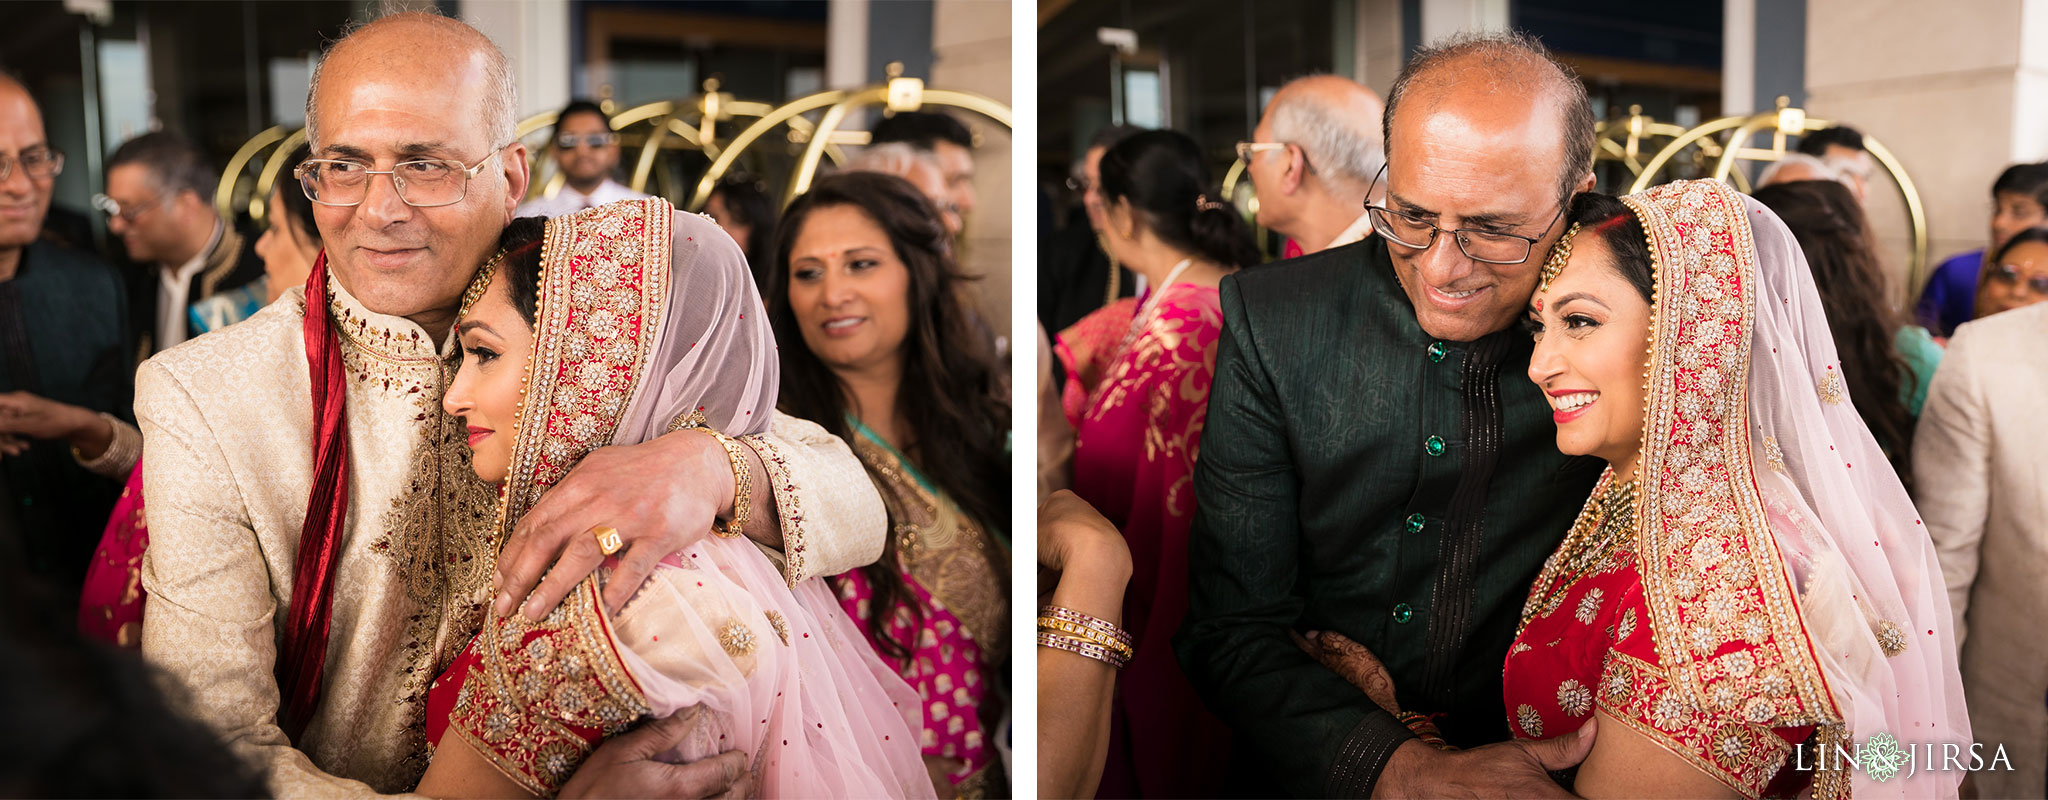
1358,476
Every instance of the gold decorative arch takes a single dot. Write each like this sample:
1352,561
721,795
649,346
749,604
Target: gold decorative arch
896,94
278,141
1626,140
1783,121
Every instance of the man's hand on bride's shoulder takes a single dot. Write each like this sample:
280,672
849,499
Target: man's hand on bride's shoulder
661,496
1517,769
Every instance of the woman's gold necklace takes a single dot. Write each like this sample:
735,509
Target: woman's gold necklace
1605,526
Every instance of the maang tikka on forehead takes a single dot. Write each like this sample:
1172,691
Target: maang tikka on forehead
1559,254
478,285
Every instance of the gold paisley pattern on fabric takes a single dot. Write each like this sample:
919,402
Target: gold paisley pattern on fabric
1723,612
541,693
945,551
1162,349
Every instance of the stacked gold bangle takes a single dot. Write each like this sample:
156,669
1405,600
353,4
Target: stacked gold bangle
1085,635
743,479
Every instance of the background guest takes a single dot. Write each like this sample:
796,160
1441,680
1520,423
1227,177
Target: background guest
291,243
1076,275
2016,275
890,361
920,168
950,144
1137,392
159,200
740,205
1886,361
1842,148
1312,159
586,150
2020,201
1980,458
66,373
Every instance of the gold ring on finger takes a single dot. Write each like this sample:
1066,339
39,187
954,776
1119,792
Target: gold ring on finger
608,539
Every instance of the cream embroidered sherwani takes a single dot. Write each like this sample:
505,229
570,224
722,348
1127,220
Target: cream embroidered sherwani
1980,474
229,426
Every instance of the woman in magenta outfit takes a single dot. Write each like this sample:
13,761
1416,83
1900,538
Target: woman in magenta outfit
879,345
1137,391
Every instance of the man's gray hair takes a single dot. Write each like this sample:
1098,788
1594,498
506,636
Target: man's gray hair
1343,149
1823,170
893,158
501,98
1510,61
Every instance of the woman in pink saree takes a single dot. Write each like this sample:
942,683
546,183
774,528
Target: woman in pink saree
618,325
1137,389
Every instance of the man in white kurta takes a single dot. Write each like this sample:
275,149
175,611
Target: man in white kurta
230,432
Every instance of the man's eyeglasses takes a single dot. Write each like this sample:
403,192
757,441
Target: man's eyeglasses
1079,184
569,141
40,163
128,212
1245,150
2009,275
425,183
1486,246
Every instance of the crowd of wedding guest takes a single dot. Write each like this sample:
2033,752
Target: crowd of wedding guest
882,346
1950,384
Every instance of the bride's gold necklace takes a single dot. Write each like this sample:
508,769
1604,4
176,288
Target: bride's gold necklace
1605,525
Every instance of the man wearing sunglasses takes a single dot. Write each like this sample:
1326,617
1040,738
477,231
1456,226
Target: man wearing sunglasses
265,483
1376,464
587,152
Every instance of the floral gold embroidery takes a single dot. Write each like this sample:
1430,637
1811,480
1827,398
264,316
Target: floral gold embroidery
1705,548
1831,387
781,626
1891,638
736,638
1530,720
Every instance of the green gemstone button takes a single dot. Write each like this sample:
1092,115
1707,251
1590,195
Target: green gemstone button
1415,523
1434,445
1402,613
1437,351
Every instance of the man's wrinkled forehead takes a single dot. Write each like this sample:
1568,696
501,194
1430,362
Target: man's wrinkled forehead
21,122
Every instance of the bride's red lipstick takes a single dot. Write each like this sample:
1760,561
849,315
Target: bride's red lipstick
477,434
1561,416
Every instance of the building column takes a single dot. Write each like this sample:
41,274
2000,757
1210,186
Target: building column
1955,102
534,34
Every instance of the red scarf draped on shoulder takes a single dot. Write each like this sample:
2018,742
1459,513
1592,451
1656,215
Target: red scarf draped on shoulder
300,666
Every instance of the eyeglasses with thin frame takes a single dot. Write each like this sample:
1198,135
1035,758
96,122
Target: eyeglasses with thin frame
2009,275
1245,150
1080,184
569,141
39,163
126,212
1485,246
421,183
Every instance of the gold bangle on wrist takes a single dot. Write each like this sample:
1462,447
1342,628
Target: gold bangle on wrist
1073,631
743,481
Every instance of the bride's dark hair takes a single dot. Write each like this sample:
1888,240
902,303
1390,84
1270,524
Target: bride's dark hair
521,265
1606,217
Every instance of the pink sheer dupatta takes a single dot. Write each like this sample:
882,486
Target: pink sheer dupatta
1790,580
648,322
